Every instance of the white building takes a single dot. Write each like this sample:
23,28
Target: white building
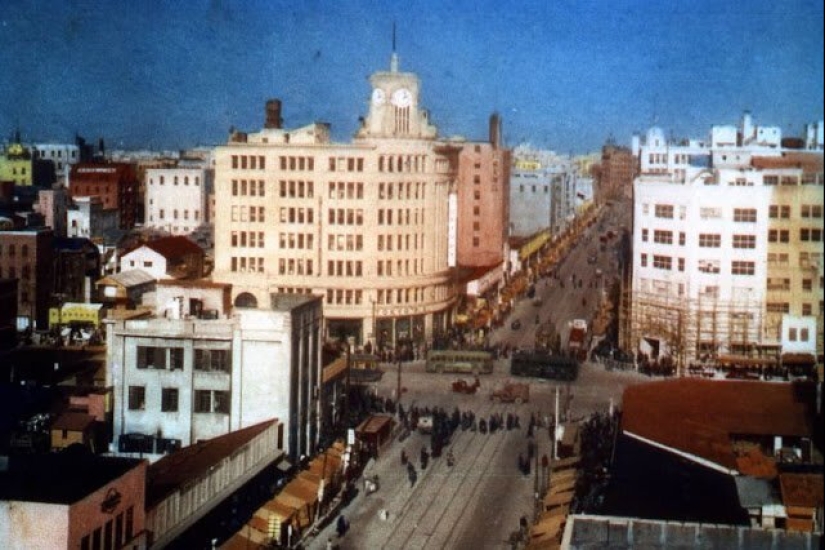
63,155
546,190
199,369
176,199
86,217
364,224
727,262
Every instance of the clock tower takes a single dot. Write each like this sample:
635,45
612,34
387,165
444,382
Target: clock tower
394,107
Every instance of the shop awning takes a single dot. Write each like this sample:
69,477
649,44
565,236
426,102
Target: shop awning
798,359
744,361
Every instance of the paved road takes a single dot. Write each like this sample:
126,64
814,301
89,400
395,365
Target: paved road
477,503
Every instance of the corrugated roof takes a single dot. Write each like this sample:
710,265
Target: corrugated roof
131,277
698,416
190,463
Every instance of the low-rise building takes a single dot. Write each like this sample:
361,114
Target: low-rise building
196,370
72,499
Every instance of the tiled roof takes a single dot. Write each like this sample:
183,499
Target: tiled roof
803,490
192,462
174,247
699,416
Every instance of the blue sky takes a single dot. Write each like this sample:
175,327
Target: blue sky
563,74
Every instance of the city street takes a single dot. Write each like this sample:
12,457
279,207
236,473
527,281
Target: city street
478,502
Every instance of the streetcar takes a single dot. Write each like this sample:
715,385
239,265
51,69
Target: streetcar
460,361
541,364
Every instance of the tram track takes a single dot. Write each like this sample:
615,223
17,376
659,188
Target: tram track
425,521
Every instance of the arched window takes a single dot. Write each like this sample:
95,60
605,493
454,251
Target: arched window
245,299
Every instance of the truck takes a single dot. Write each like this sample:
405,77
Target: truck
576,339
511,392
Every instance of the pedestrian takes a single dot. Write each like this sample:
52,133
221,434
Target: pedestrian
329,544
341,526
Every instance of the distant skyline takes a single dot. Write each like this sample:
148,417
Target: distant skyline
563,74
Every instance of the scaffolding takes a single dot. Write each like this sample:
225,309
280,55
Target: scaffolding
704,329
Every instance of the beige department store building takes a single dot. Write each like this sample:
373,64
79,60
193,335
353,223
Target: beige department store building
369,225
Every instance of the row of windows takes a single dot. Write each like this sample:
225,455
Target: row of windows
402,163
344,268
402,267
251,239
296,215
345,216
294,266
400,296
344,297
245,213
244,264
738,267
113,535
296,163
41,153
402,242
345,242
25,273
299,189
251,162
784,307
346,164
404,216
666,211
205,401
402,190
175,180
11,250
196,214
248,188
299,241
783,211
346,190
171,358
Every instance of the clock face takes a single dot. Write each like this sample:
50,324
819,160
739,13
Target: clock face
378,96
402,97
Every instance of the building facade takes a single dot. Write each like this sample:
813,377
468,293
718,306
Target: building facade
27,255
616,172
176,199
115,183
196,370
483,201
729,262
364,225
62,155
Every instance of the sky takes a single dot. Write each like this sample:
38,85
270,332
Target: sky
565,75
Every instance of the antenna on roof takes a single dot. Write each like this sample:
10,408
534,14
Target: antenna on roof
394,58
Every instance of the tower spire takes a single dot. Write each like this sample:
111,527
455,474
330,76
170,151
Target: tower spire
394,57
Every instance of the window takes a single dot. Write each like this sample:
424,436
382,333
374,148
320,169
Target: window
176,358
212,360
663,237
709,266
137,398
644,260
664,211
810,234
644,235
203,401
744,241
744,215
151,357
742,268
710,240
811,210
221,399
779,211
779,236
662,262
169,400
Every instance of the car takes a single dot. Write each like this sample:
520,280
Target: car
515,325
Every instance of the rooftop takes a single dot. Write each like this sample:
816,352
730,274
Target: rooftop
699,417
60,478
190,463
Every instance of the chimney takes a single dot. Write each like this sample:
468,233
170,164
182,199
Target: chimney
273,114
495,130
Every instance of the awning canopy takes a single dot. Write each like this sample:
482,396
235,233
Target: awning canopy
798,359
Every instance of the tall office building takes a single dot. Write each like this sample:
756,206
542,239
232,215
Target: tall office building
364,224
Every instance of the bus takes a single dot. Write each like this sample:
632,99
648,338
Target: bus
541,364
462,361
